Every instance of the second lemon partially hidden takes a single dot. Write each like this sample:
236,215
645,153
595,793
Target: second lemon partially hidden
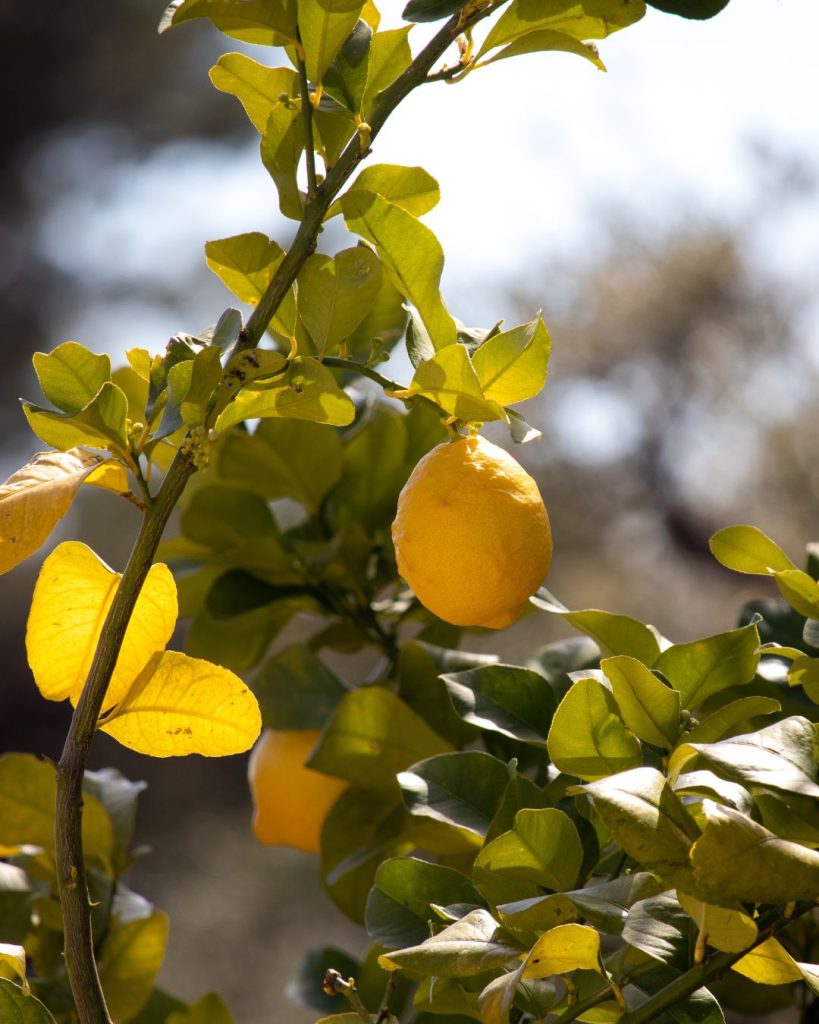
472,534
290,800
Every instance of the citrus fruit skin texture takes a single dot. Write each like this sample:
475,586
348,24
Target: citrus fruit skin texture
472,534
290,801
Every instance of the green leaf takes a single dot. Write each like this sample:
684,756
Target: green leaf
246,264
729,931
705,783
587,737
264,22
699,1008
649,708
699,9
659,927
411,188
323,27
804,672
781,756
724,719
511,366
18,1008
548,41
542,851
372,736
605,905
99,424
296,690
411,253
202,375
257,87
399,911
118,796
390,56
375,470
209,1009
470,946
704,667
308,391
747,549
617,634
158,1009
462,789
431,10
737,860
512,701
449,379
28,793
336,293
281,148
362,829
346,77
650,823
284,458
130,962
420,686
797,820
71,376
579,19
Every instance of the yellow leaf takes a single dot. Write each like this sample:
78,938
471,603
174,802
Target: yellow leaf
769,964
182,705
564,948
15,957
729,931
71,599
111,476
35,498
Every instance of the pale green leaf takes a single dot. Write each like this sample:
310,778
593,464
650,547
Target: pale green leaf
547,40
130,962
649,708
323,27
336,293
411,188
263,22
390,56
281,148
588,738
71,376
724,719
99,424
411,253
747,549
257,87
449,379
511,366
308,391
704,667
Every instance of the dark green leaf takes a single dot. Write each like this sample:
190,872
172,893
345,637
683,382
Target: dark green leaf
699,9
462,789
296,690
119,797
398,907
661,928
17,1008
515,702
431,10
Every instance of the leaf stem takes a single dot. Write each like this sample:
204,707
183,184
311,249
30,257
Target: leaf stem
71,877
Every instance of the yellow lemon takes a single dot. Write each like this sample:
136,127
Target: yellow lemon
290,800
472,534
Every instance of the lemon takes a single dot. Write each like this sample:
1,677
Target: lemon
290,800
472,534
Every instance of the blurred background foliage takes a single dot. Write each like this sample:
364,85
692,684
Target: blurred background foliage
681,399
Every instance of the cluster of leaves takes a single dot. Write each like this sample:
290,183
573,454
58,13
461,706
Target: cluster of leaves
622,828
131,935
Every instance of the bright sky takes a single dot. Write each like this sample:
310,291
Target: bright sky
525,151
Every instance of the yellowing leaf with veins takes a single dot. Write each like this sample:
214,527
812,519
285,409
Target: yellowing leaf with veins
182,705
35,498
769,964
110,476
564,948
71,599
729,931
